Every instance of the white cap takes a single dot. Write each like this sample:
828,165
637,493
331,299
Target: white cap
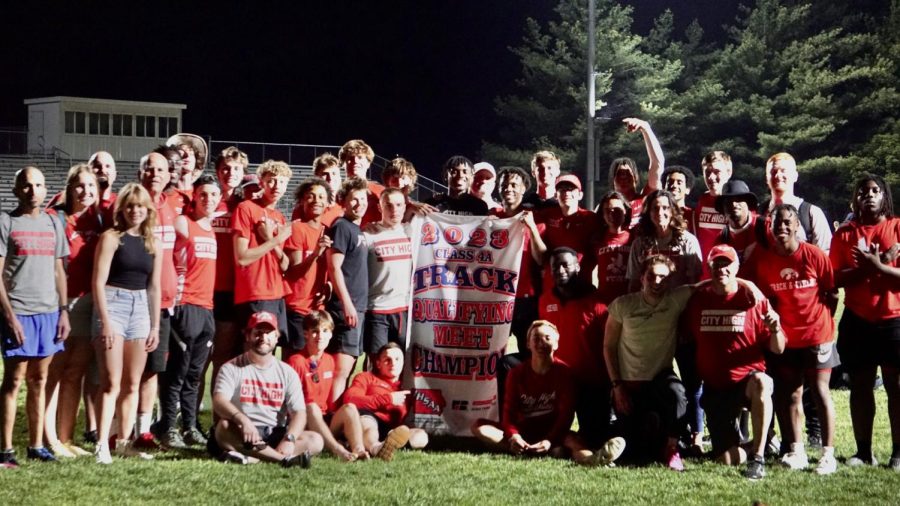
484,166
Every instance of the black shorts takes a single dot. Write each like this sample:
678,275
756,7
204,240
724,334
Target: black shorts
722,409
157,359
383,427
811,358
382,328
271,435
296,339
346,339
864,344
245,310
223,306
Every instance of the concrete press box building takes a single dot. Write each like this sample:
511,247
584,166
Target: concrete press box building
80,126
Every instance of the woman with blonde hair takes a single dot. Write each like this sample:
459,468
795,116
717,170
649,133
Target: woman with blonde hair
126,285
79,211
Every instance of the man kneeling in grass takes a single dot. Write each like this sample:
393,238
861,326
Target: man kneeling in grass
255,395
316,371
383,406
539,407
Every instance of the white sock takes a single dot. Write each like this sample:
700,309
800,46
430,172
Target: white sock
143,423
827,450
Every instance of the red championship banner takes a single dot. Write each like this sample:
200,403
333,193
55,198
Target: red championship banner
464,288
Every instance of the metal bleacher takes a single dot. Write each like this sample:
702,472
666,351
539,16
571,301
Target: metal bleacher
55,166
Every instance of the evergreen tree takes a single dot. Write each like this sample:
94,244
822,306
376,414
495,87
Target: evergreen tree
548,111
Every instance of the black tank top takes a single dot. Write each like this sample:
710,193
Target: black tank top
131,265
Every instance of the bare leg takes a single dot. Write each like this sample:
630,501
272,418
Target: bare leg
347,421
343,369
13,375
110,363
819,382
759,391
36,400
135,359
80,353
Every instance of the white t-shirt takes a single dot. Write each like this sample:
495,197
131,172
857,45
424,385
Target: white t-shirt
390,264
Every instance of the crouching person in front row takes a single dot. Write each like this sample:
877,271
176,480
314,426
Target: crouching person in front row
259,400
383,405
539,407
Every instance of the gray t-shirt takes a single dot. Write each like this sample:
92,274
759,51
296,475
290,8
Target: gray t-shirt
30,247
265,395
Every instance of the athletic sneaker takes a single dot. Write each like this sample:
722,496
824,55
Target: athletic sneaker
894,463
235,457
303,460
796,459
8,459
101,453
90,436
857,461
609,452
146,442
77,450
61,450
673,459
193,437
40,453
827,464
756,468
396,439
126,449
171,440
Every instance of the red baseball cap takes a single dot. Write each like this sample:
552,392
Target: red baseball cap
262,318
722,250
572,179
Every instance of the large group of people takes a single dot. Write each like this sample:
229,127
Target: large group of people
653,322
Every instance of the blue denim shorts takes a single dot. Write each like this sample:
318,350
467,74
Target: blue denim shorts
128,312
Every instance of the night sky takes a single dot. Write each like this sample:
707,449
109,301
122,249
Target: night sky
412,78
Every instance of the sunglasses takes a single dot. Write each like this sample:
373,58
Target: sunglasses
314,366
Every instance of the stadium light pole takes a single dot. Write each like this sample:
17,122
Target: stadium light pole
591,169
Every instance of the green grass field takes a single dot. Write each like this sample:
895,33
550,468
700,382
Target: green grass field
439,477
442,477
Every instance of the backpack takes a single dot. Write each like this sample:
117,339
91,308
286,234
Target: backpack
804,215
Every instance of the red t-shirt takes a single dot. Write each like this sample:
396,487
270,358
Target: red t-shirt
82,231
574,231
332,212
373,212
165,232
304,238
581,323
611,254
262,279
316,379
221,223
368,392
708,224
539,406
875,298
528,268
730,333
740,240
796,285
180,200
195,262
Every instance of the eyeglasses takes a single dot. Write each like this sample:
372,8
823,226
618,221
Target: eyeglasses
314,366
